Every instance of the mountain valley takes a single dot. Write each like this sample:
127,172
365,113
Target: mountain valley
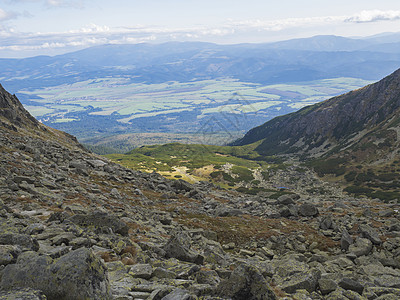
182,87
75,225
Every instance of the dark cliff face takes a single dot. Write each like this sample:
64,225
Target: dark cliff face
319,128
13,112
14,117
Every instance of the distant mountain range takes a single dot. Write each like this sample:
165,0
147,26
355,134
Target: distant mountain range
288,61
44,83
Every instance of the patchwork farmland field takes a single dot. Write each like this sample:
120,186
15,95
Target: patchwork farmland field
111,106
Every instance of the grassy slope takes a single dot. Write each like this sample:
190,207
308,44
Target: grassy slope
224,165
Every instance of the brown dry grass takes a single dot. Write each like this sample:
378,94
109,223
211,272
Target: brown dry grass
244,229
108,257
278,292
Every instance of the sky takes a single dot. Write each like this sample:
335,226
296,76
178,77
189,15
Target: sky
50,27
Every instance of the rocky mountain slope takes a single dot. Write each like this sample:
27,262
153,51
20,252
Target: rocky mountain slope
356,133
319,128
77,226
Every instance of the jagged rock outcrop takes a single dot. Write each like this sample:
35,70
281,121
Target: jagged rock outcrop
12,110
246,282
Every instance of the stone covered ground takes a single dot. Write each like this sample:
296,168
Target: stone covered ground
76,226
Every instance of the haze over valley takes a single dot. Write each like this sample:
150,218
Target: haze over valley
184,87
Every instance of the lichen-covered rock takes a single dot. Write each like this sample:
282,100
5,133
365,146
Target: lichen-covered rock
287,199
350,284
361,247
381,292
181,186
305,281
286,268
246,282
346,240
337,294
327,286
387,281
370,233
141,271
121,282
24,241
163,273
8,254
22,294
209,277
76,275
179,294
179,247
308,210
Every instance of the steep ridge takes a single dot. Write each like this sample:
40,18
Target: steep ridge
13,112
77,226
332,124
354,137
14,117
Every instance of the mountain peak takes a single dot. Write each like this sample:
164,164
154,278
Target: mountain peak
13,112
14,117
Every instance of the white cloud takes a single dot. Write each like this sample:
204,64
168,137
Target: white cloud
277,25
94,34
92,28
6,15
374,16
65,3
54,3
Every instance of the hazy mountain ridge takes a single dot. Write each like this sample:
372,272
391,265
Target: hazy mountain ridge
287,61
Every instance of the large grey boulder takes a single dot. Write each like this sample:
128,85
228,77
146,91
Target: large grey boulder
326,223
306,281
351,284
76,275
228,212
179,294
102,220
141,271
292,275
24,241
308,210
22,294
361,247
346,240
181,186
370,233
96,163
327,286
246,282
8,254
287,199
208,277
179,247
